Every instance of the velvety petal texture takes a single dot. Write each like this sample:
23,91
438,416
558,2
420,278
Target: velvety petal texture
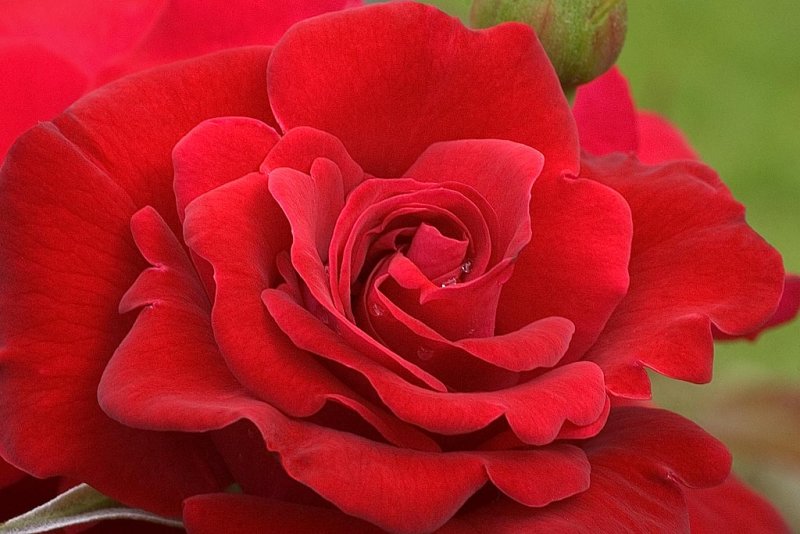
786,312
59,50
364,282
605,115
413,90
43,84
184,29
732,506
67,258
642,464
210,514
608,122
694,262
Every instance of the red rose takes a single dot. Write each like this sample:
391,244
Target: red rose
58,50
393,295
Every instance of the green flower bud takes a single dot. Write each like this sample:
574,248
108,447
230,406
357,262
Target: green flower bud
582,37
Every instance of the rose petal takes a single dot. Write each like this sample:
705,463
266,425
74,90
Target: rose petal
576,264
608,122
412,492
436,254
130,127
218,151
300,147
729,506
86,32
572,393
186,29
472,359
42,84
787,310
495,83
215,152
456,311
605,115
660,141
244,514
538,344
67,258
641,463
694,261
500,171
312,203
244,265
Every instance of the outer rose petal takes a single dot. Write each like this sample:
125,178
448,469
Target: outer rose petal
789,304
605,115
67,258
88,32
43,83
130,127
730,507
242,514
186,28
495,83
694,261
660,141
641,463
787,310
608,122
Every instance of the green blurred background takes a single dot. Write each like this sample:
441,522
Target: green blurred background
728,74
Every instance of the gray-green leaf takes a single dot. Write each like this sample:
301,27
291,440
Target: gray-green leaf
82,504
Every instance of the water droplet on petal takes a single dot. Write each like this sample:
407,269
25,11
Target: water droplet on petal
424,353
376,310
466,267
449,282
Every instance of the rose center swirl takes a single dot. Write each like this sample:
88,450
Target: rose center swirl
413,267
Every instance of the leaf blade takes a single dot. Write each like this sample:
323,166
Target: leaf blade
77,506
